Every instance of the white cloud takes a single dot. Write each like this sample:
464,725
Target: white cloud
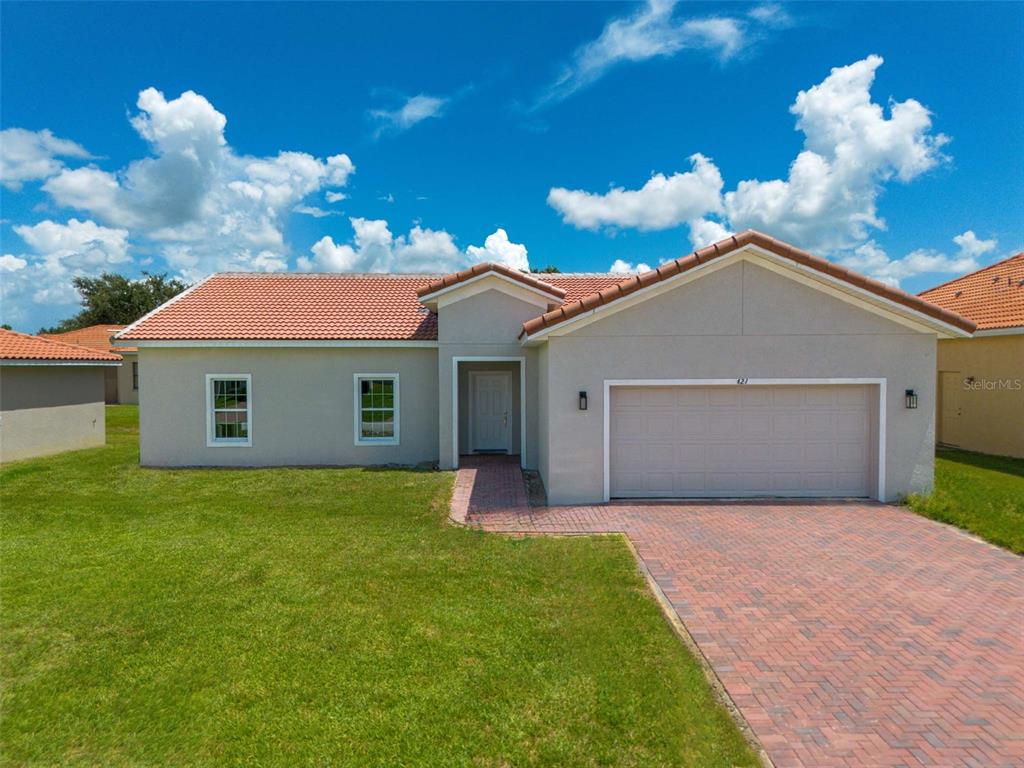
651,32
314,211
704,232
77,243
872,260
620,267
58,253
829,200
210,207
334,197
32,155
771,14
415,110
661,203
970,245
497,248
375,249
11,263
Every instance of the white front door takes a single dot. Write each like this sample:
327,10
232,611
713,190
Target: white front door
490,410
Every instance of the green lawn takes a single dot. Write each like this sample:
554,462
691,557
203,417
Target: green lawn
982,494
327,617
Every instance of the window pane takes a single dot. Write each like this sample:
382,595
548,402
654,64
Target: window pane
376,408
230,416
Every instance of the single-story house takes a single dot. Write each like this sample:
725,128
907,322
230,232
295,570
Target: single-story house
747,368
122,384
51,396
980,404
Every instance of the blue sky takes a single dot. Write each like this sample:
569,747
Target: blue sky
425,137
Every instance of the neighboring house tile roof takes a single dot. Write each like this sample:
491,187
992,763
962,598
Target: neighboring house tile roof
446,281
749,237
93,337
22,346
992,297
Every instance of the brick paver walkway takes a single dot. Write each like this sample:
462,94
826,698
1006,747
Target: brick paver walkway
850,634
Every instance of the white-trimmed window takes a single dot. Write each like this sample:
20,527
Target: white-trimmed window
376,409
135,375
228,409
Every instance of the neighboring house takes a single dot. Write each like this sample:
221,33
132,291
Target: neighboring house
51,396
981,379
122,384
748,368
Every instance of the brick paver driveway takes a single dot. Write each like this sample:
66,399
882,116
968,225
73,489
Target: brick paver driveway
845,633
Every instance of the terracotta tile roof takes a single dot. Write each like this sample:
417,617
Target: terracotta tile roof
749,237
446,281
93,337
294,307
992,297
319,306
576,286
22,346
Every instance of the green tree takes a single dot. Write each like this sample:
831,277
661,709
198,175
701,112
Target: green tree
550,269
118,300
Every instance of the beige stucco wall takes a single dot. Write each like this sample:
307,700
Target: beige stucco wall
125,393
741,321
992,407
49,409
484,325
302,405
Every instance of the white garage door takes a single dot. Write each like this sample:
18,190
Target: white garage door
752,440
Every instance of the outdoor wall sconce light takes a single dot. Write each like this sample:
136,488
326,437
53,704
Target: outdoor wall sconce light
583,400
911,399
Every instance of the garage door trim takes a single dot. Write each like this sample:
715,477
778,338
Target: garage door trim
609,383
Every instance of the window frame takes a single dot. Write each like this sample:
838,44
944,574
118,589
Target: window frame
357,412
228,442
135,375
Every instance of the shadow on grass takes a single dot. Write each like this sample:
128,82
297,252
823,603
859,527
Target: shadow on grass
1007,464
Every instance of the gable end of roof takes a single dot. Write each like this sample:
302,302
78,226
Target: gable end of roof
722,248
483,268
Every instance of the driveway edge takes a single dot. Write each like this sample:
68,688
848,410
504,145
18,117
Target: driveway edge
679,629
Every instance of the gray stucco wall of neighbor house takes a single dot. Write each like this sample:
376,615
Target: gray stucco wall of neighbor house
49,409
486,324
741,321
126,394
303,405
